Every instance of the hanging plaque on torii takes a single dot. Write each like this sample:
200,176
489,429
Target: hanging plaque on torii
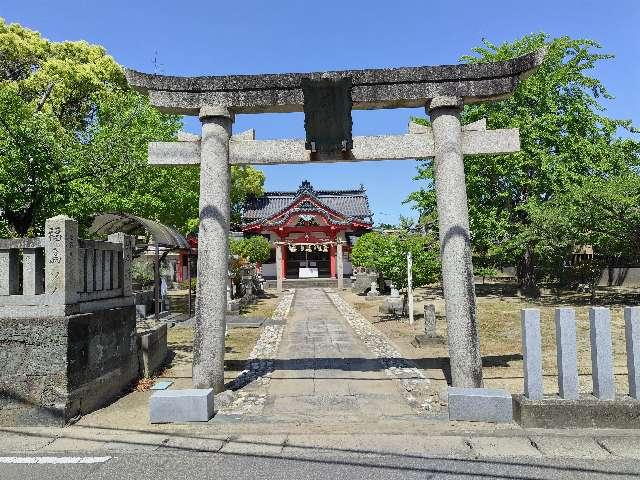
327,99
327,116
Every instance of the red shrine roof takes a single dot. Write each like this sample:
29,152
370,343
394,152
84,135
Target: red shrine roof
351,205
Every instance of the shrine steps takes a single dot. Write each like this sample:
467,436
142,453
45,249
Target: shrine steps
307,283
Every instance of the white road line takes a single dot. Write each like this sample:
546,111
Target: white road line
53,460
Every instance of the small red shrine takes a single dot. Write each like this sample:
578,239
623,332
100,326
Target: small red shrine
306,226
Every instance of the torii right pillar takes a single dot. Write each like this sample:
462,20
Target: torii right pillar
455,245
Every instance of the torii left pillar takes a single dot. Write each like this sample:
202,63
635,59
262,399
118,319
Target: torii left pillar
213,248
455,243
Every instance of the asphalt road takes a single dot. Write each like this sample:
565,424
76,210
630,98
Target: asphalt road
196,465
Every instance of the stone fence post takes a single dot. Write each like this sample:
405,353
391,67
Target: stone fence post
61,259
601,353
566,353
9,272
532,353
128,243
632,334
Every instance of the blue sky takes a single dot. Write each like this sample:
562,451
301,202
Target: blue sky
259,36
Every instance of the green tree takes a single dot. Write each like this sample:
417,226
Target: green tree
387,254
73,139
255,249
565,139
602,213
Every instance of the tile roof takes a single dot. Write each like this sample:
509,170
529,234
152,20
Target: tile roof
350,203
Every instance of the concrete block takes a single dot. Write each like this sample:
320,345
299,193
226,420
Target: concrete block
190,405
632,335
601,353
480,405
532,353
585,412
567,354
153,349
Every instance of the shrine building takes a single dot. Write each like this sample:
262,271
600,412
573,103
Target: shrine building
308,228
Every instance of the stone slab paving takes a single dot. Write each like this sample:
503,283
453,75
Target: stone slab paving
252,382
325,370
415,387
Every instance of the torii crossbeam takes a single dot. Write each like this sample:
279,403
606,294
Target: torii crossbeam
327,99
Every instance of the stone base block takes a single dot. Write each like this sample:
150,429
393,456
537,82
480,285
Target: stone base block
153,349
190,405
372,297
480,405
54,369
585,412
421,341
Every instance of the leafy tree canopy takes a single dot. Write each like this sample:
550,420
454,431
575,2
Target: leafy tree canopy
565,140
602,213
256,249
387,254
73,139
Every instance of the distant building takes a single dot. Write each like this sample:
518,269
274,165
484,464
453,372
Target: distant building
306,225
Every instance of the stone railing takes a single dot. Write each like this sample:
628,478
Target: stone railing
61,274
604,407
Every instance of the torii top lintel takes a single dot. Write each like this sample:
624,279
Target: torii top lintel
371,88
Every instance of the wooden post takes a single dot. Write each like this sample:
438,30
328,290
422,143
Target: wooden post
332,258
284,261
410,286
339,265
279,267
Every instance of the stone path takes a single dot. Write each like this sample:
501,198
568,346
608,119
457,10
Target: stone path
251,384
323,369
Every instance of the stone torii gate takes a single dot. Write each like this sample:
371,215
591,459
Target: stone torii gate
327,100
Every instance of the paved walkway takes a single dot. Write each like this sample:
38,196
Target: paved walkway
324,371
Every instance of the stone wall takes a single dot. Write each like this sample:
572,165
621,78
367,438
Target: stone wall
53,369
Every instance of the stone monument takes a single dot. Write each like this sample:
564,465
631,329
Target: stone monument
430,337
373,292
327,98
394,303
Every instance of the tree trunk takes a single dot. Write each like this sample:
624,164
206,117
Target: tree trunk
526,274
21,222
